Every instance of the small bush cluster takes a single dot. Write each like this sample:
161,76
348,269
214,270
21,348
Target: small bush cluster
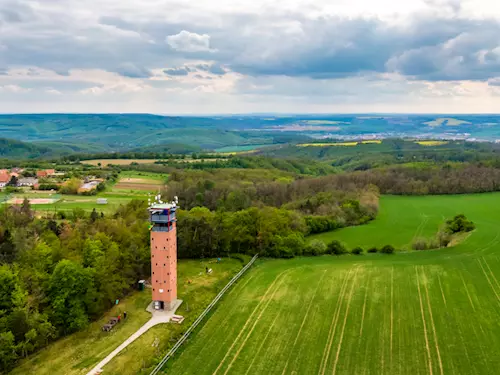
459,224
335,247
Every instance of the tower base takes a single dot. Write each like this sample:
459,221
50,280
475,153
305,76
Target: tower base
168,309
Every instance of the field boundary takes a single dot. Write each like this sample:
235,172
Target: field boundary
184,337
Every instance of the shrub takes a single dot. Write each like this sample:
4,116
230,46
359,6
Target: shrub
372,250
387,249
459,224
420,244
71,186
336,247
320,224
443,239
315,247
12,189
48,186
357,250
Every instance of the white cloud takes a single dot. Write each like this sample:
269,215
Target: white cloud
186,41
16,89
116,88
53,91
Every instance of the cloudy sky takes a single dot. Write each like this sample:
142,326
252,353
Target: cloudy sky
240,56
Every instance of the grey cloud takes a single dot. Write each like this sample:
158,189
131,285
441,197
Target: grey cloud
436,49
16,11
473,54
131,70
211,68
428,47
199,76
495,82
217,70
182,71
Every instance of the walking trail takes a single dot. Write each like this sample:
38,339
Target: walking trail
159,317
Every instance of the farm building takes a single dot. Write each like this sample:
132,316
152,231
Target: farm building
102,201
27,181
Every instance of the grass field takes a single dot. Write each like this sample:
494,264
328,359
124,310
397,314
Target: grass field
115,198
78,353
430,312
140,181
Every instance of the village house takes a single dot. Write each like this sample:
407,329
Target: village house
45,173
4,178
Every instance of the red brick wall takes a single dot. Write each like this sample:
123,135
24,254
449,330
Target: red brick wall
164,265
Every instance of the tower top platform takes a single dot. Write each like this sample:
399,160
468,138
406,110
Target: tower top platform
162,206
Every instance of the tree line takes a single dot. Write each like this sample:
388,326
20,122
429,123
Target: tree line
420,180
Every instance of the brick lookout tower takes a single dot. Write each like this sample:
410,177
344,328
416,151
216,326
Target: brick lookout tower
163,254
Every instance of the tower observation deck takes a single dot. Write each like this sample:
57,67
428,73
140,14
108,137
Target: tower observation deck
163,255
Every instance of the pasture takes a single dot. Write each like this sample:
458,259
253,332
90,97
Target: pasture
429,312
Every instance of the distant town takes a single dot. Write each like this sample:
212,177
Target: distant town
48,179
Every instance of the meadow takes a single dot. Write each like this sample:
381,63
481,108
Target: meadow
427,312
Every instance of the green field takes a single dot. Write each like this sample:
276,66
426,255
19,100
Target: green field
158,177
429,312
